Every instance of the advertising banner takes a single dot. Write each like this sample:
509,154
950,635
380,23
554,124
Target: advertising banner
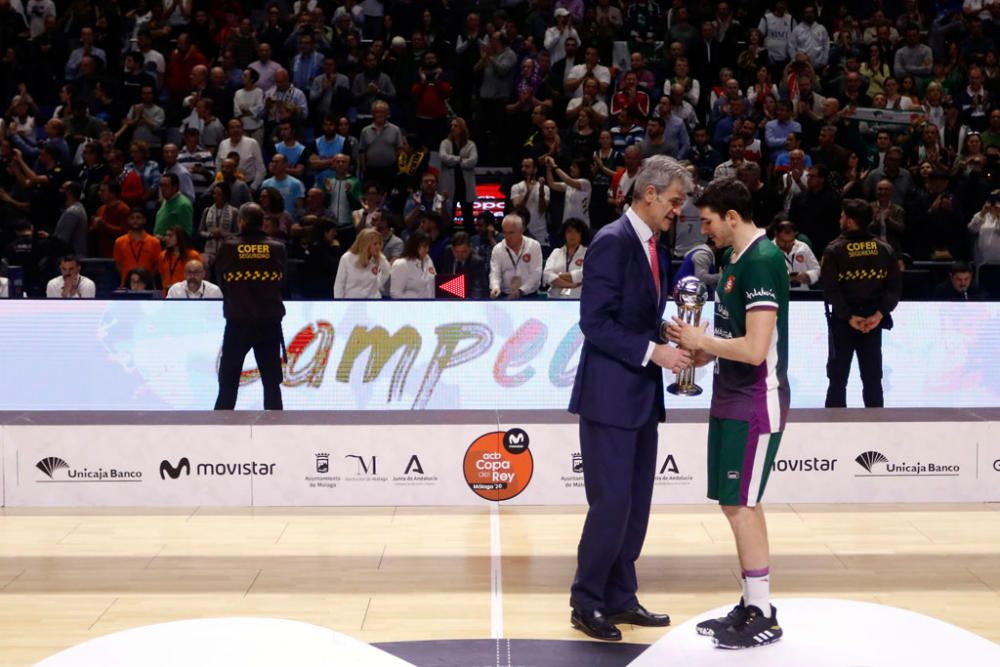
427,355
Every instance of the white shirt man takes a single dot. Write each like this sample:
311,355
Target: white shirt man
777,31
70,285
3,288
811,37
534,199
194,285
799,258
251,159
516,263
600,72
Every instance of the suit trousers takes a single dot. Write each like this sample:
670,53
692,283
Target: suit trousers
264,338
619,466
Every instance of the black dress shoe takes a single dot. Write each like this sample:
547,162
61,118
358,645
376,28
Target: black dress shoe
639,615
595,624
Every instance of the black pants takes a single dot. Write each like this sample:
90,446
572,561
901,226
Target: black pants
845,341
264,337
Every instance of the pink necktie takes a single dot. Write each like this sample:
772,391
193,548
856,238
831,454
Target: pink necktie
654,264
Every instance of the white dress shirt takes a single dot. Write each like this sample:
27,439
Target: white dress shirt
801,259
251,159
645,233
207,290
561,262
361,282
85,288
412,279
526,264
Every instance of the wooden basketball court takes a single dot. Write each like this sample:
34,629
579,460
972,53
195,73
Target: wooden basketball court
399,574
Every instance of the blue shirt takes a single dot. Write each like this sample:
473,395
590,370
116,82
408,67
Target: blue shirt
292,153
290,188
327,149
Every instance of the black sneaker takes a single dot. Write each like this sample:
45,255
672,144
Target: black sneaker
712,626
755,630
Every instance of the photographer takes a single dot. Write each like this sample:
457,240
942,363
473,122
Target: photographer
985,227
251,271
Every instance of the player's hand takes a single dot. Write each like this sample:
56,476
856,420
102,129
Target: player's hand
671,358
687,336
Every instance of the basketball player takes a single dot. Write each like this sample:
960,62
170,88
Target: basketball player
749,398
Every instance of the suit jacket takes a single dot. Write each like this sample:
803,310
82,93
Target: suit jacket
619,316
475,271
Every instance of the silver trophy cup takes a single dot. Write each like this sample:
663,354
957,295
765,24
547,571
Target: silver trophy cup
690,295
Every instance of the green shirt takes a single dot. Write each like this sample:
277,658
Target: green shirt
174,211
756,279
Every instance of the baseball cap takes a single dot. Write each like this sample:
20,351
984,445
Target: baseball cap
562,11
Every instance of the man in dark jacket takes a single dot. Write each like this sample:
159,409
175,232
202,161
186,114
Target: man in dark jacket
815,210
251,272
862,284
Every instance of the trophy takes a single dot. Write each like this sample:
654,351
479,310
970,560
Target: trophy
690,295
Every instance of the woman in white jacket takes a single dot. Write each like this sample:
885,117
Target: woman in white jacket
457,180
363,270
413,273
563,271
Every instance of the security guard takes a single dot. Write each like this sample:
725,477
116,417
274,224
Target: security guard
251,271
862,284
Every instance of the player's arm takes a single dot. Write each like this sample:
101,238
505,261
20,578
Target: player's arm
749,349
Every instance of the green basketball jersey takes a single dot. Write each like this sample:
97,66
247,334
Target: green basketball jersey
756,279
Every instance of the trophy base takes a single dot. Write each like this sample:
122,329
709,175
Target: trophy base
684,389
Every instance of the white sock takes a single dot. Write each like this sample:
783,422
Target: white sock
757,590
746,595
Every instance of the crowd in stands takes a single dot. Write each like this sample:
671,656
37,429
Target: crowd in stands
133,131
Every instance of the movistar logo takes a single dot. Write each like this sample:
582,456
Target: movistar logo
174,471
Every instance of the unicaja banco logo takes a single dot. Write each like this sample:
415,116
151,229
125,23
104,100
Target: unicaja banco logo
868,459
50,464
167,469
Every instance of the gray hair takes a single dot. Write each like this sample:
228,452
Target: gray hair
749,168
513,217
660,172
252,215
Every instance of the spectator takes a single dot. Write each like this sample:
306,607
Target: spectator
728,169
379,147
776,131
71,229
766,201
363,270
428,199
432,226
70,284
176,253
459,259
330,91
530,198
392,245
658,141
985,229
913,58
803,269
558,34
144,120
497,65
171,165
816,210
251,162
265,67
563,273
777,26
459,158
292,191
285,101
516,263
958,286
111,220
175,209
198,162
369,87
183,60
239,191
194,285
888,217
591,68
218,222
574,186
248,105
810,37
413,273
322,258
892,171
137,280
430,95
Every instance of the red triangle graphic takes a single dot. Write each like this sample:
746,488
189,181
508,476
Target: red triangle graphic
455,286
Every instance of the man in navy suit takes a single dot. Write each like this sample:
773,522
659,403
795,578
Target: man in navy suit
618,394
